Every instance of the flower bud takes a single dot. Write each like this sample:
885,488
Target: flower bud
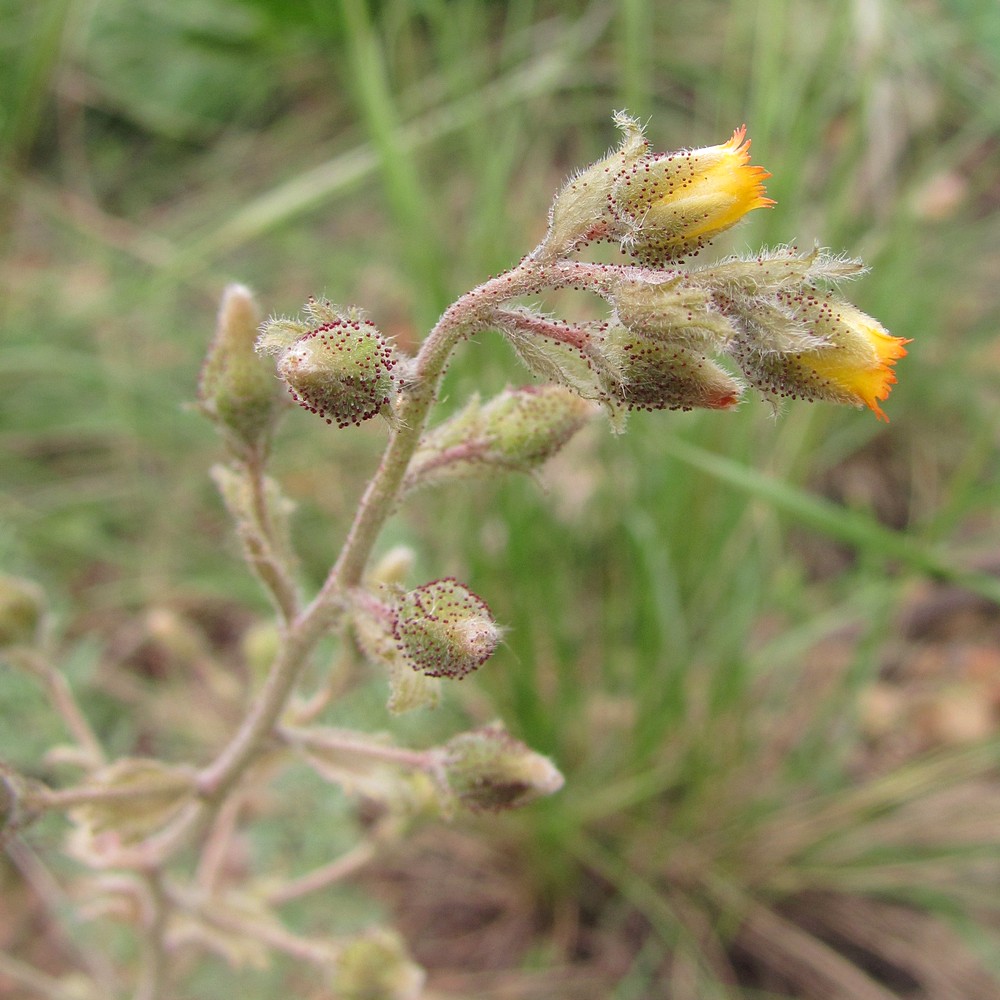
659,375
237,390
22,607
674,311
780,269
569,362
341,371
377,966
488,770
442,629
672,204
582,209
850,360
375,624
516,431
338,364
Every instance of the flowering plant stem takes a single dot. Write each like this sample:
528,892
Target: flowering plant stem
772,316
467,315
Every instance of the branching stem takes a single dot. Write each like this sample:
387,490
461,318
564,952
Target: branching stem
474,311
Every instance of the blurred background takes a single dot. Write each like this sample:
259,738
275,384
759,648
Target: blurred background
764,648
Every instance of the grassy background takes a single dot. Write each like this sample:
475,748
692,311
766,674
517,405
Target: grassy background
698,609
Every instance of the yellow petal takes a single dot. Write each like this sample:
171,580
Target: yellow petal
675,203
853,362
868,379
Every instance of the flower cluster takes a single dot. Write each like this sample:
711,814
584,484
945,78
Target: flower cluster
775,316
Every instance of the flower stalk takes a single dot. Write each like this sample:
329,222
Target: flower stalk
672,337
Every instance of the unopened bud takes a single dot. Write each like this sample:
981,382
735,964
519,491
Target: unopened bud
672,204
780,269
515,431
658,375
673,310
237,390
342,372
375,621
22,607
527,426
338,365
377,966
488,770
582,209
443,629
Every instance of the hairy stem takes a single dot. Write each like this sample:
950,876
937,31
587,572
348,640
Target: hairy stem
474,311
352,743
50,800
272,569
153,970
299,640
326,875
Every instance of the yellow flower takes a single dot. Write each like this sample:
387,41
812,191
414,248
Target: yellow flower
865,374
853,362
672,204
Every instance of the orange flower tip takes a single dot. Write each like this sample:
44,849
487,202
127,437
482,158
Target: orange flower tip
889,350
740,144
736,139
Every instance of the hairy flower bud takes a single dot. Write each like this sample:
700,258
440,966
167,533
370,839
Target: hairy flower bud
22,607
443,629
673,310
377,966
672,204
850,357
488,770
656,374
338,365
582,209
341,371
237,390
515,431
527,426
375,623
776,270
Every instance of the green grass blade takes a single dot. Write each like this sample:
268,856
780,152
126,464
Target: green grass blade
821,515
